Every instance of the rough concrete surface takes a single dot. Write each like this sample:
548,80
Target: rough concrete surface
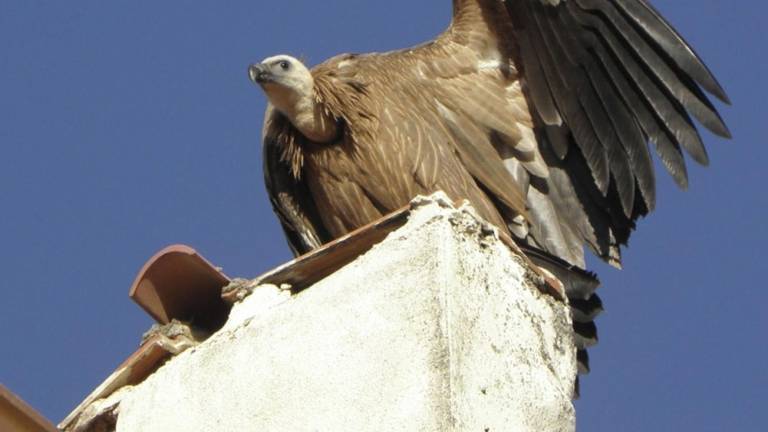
437,328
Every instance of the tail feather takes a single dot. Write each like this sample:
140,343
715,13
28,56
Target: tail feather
580,286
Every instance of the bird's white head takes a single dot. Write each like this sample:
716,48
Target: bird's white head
284,79
281,72
289,86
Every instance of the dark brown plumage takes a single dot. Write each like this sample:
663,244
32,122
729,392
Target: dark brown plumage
539,112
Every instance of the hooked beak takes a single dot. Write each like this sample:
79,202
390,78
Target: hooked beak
259,73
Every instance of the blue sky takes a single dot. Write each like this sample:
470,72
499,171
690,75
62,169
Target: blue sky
130,125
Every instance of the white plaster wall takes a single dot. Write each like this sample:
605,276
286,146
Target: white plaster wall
435,329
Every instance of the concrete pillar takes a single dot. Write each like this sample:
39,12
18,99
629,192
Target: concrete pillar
440,327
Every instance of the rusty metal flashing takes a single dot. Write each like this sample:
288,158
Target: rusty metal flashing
142,363
315,265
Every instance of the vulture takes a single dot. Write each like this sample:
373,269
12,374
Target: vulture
539,113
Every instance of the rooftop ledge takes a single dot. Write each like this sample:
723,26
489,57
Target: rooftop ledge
427,319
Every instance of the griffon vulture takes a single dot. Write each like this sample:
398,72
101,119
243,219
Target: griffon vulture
538,112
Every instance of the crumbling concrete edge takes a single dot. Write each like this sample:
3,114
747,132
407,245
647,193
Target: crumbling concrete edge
103,412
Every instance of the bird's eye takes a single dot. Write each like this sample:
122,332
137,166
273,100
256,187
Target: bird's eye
284,65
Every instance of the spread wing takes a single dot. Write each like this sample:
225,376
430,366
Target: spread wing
616,73
602,79
289,196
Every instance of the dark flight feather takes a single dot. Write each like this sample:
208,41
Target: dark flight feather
627,69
